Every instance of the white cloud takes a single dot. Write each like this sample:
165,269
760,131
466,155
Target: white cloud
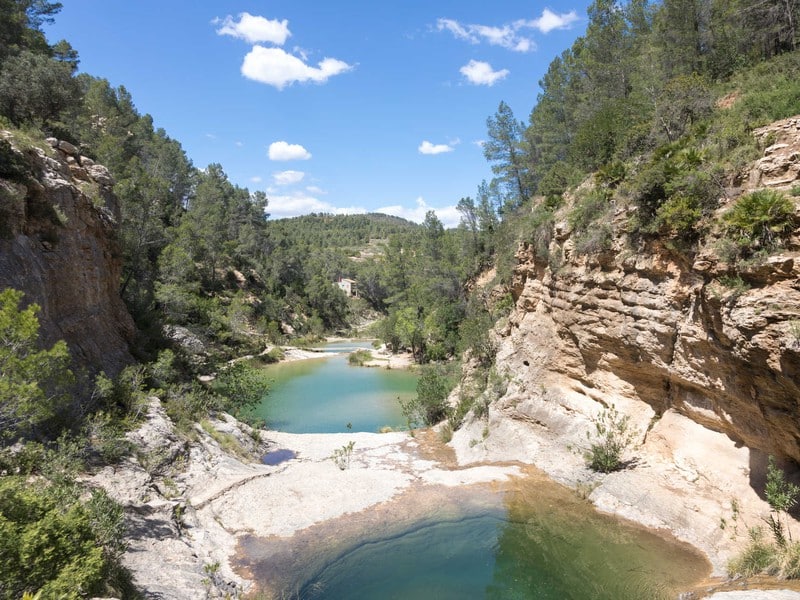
506,36
255,179
550,21
427,148
254,29
286,151
278,68
481,73
448,215
300,203
288,177
312,189
511,35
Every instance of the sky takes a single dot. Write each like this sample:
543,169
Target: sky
349,106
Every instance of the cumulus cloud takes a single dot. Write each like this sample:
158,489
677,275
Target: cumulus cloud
254,29
288,177
302,203
448,215
278,68
285,151
428,148
481,73
550,21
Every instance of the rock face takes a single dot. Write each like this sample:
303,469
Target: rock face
707,367
57,244
644,325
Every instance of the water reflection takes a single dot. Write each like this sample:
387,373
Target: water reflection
323,395
532,539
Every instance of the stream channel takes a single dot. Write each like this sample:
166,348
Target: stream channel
531,538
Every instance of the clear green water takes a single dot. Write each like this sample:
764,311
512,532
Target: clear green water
551,555
534,540
324,395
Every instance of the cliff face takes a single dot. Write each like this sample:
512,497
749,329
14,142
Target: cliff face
57,244
705,366
642,324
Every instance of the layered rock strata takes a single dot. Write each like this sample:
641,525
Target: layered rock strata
703,357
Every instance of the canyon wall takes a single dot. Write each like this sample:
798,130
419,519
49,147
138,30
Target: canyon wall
701,357
58,218
638,321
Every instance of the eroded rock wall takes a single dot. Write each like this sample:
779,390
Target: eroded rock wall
58,218
638,322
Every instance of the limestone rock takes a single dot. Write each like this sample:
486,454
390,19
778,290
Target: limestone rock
709,374
780,166
59,246
646,327
187,340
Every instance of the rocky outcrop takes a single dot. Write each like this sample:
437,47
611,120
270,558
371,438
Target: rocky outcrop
641,323
705,360
780,166
645,327
58,217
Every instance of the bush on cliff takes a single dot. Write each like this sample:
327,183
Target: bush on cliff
612,436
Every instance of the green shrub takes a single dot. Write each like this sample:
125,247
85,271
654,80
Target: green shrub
275,354
761,219
241,386
588,209
594,240
430,404
13,165
34,384
539,229
782,496
60,550
735,284
678,216
758,556
125,395
611,174
342,456
611,437
359,358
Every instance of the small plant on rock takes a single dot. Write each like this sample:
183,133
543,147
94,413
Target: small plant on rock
341,456
760,219
611,437
782,496
781,558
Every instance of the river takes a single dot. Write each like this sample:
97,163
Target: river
531,538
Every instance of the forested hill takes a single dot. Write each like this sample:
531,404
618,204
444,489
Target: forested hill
352,232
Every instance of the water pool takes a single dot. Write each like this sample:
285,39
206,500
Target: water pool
324,395
535,539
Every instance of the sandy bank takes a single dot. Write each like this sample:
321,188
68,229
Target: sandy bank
381,357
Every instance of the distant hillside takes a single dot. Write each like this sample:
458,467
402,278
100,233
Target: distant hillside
344,232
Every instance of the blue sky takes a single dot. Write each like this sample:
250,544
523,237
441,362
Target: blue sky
347,106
